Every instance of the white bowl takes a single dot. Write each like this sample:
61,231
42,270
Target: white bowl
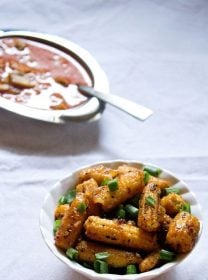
49,205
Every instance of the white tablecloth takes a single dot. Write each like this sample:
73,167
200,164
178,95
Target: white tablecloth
153,52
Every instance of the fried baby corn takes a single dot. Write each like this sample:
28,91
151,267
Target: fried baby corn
117,258
182,232
150,261
87,188
129,184
172,203
119,233
148,217
61,210
98,173
71,224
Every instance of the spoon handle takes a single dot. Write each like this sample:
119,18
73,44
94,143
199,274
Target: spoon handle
138,111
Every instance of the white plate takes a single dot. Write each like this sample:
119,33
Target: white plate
92,109
60,188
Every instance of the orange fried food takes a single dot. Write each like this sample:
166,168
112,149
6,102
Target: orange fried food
148,218
182,233
119,233
117,257
72,222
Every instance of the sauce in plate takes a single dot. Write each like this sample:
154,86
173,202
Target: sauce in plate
40,76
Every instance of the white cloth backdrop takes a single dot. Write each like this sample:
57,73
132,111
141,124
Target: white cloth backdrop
155,53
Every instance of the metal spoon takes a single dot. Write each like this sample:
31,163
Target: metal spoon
138,111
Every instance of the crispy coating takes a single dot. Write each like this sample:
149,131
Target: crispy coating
71,224
172,203
129,184
119,233
61,210
150,261
88,187
164,219
117,258
182,233
161,183
148,217
125,168
98,173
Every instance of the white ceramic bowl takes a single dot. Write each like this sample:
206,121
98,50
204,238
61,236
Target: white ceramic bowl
47,220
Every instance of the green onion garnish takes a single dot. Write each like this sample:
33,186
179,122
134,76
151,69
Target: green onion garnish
167,255
135,201
62,200
150,201
100,266
131,269
81,208
87,265
121,213
154,171
105,182
102,255
186,207
70,196
131,210
172,190
146,177
113,185
72,254
56,225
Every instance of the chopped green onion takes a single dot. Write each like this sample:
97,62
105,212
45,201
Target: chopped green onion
135,201
113,185
102,255
186,207
154,171
131,210
150,201
72,254
105,182
70,196
167,255
100,266
62,200
172,190
87,265
131,269
56,225
81,208
146,177
121,213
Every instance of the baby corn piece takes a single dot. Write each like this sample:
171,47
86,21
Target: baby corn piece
182,232
119,233
161,183
129,184
117,258
99,173
72,222
88,187
150,261
61,210
148,217
172,203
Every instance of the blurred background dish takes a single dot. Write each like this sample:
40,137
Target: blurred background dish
38,77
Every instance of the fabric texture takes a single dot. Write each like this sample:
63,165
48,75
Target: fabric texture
155,53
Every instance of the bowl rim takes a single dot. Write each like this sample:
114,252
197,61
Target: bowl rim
91,273
86,111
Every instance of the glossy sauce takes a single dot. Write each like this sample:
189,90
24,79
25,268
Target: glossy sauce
40,76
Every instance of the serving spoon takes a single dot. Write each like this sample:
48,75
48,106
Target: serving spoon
138,111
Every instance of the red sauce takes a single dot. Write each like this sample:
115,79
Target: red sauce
40,76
